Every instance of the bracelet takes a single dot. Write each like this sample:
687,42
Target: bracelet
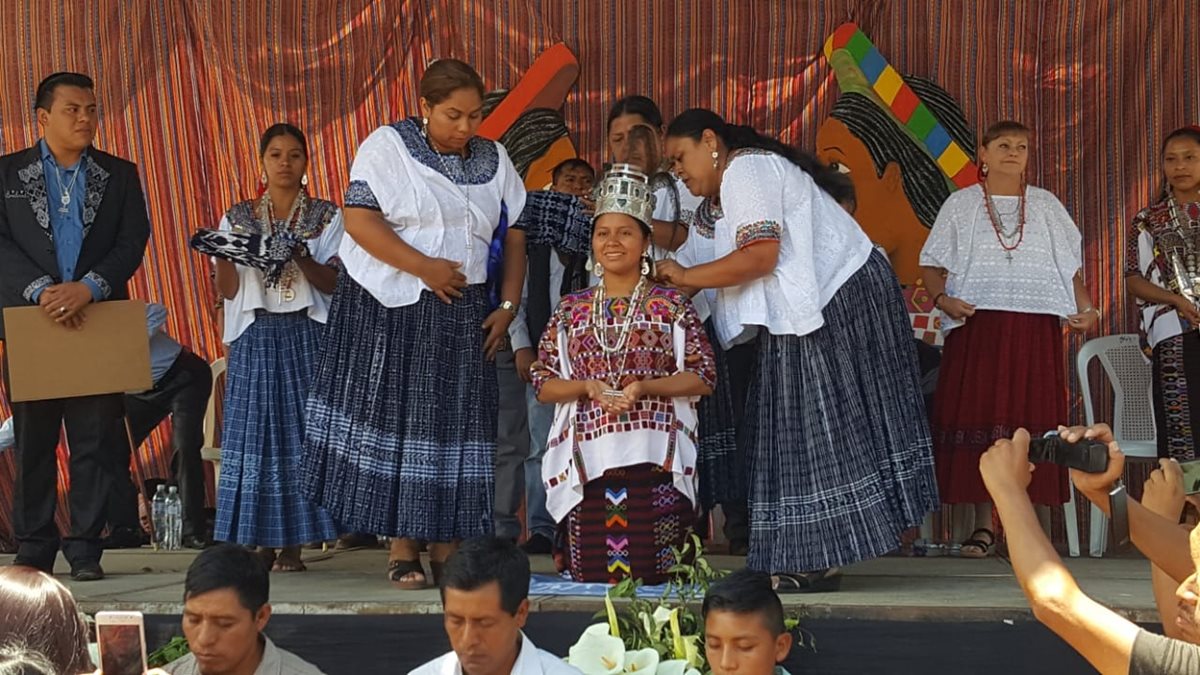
509,307
1099,314
937,297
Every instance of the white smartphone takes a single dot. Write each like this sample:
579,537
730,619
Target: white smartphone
121,637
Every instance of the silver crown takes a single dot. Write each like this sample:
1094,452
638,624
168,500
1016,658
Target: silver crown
625,189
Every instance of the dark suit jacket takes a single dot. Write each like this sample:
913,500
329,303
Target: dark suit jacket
115,228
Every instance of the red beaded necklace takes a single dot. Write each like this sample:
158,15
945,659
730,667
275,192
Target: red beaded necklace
998,225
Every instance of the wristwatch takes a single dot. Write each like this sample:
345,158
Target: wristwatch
508,306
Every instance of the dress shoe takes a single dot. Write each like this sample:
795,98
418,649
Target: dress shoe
90,571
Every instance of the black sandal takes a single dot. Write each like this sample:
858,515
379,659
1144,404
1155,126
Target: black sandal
398,569
984,545
822,581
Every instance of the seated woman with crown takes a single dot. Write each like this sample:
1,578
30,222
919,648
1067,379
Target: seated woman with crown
625,361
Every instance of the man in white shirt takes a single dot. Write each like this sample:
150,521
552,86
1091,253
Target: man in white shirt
485,597
225,610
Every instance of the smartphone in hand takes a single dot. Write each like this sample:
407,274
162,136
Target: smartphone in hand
121,637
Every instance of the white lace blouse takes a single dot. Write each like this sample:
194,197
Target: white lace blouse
1039,279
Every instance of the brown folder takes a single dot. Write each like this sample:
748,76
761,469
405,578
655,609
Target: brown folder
109,355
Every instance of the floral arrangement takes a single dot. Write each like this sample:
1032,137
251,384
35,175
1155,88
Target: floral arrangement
654,637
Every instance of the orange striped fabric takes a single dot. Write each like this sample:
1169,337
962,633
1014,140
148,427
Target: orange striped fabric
186,87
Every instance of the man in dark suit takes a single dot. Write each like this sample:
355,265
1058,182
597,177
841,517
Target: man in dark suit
73,230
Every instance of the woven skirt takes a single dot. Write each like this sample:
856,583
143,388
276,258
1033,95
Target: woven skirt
1000,371
629,524
259,499
1176,366
841,460
401,439
719,465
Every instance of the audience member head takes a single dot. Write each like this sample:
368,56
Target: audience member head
16,659
225,609
485,595
574,176
451,104
66,111
743,625
39,614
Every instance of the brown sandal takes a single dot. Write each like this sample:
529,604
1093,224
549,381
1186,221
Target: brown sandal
398,569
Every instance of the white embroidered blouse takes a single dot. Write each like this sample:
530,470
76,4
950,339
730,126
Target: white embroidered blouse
321,226
443,205
1040,277
765,197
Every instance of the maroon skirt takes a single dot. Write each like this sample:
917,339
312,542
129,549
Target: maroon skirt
628,525
1000,371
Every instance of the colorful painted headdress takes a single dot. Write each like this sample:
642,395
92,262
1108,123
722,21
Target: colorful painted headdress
861,68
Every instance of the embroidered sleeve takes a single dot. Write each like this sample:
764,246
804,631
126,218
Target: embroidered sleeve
698,354
752,197
549,362
34,290
1134,264
98,285
381,179
360,196
749,234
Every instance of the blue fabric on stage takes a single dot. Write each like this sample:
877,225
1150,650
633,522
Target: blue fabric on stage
401,437
259,500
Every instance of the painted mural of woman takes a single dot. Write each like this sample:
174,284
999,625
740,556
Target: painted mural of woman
902,170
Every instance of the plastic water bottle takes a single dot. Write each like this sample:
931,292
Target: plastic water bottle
174,520
158,514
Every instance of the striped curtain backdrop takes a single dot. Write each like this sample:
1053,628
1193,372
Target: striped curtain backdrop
185,88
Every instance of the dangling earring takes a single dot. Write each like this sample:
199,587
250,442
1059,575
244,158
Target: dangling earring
983,170
715,156
424,125
304,181
647,266
263,180
598,270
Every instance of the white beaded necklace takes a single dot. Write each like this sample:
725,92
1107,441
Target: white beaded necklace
624,329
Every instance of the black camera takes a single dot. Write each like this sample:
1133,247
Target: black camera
1086,455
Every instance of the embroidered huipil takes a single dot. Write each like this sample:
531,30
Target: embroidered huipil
1040,277
1144,257
320,226
765,197
443,205
667,338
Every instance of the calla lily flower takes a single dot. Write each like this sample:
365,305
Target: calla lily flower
642,661
597,652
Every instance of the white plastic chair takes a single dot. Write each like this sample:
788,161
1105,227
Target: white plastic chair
1131,378
211,452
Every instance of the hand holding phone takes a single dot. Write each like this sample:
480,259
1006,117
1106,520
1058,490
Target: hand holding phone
121,637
